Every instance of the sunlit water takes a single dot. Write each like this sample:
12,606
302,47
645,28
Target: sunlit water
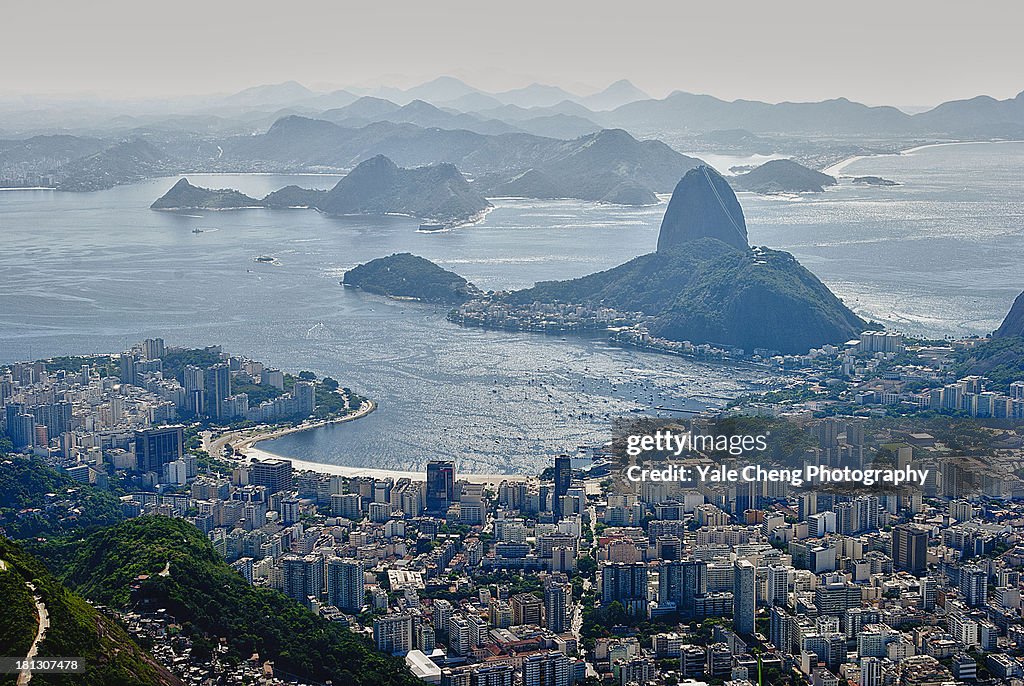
93,272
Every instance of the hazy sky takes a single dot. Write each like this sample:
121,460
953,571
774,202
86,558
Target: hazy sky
902,52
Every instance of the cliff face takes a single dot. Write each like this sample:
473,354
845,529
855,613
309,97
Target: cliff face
702,206
1013,324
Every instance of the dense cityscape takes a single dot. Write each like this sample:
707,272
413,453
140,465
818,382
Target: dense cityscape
574,576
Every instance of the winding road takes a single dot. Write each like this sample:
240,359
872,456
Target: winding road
25,675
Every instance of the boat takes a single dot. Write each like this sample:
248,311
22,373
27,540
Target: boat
432,227
197,231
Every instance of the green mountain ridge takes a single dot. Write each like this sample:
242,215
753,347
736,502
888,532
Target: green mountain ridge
76,629
211,599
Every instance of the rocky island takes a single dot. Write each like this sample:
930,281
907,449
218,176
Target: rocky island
436,193
874,181
184,196
703,285
404,275
783,176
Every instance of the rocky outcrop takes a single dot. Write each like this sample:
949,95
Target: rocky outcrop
702,206
1013,324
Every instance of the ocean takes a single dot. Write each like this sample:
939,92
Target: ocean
937,255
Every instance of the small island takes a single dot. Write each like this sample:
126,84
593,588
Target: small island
411,277
874,181
783,176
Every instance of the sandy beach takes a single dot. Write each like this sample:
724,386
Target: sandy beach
246,448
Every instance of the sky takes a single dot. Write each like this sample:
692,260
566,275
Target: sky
900,52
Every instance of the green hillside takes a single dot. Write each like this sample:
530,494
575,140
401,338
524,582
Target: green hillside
76,630
709,292
211,599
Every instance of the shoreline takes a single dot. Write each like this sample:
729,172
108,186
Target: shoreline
838,167
248,449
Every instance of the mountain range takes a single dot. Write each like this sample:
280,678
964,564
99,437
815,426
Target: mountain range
592,167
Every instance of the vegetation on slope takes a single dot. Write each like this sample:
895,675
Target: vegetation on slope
76,629
213,601
404,275
712,293
999,359
37,501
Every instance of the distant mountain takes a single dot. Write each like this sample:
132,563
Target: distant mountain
617,94
592,167
441,89
76,629
368,110
534,95
471,102
698,288
47,152
378,186
702,206
703,113
563,126
783,176
273,94
408,276
365,108
515,113
588,168
211,600
126,162
185,196
980,116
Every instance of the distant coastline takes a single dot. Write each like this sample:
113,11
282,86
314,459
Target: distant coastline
838,167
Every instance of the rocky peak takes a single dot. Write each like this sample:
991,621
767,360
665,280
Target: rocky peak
703,205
